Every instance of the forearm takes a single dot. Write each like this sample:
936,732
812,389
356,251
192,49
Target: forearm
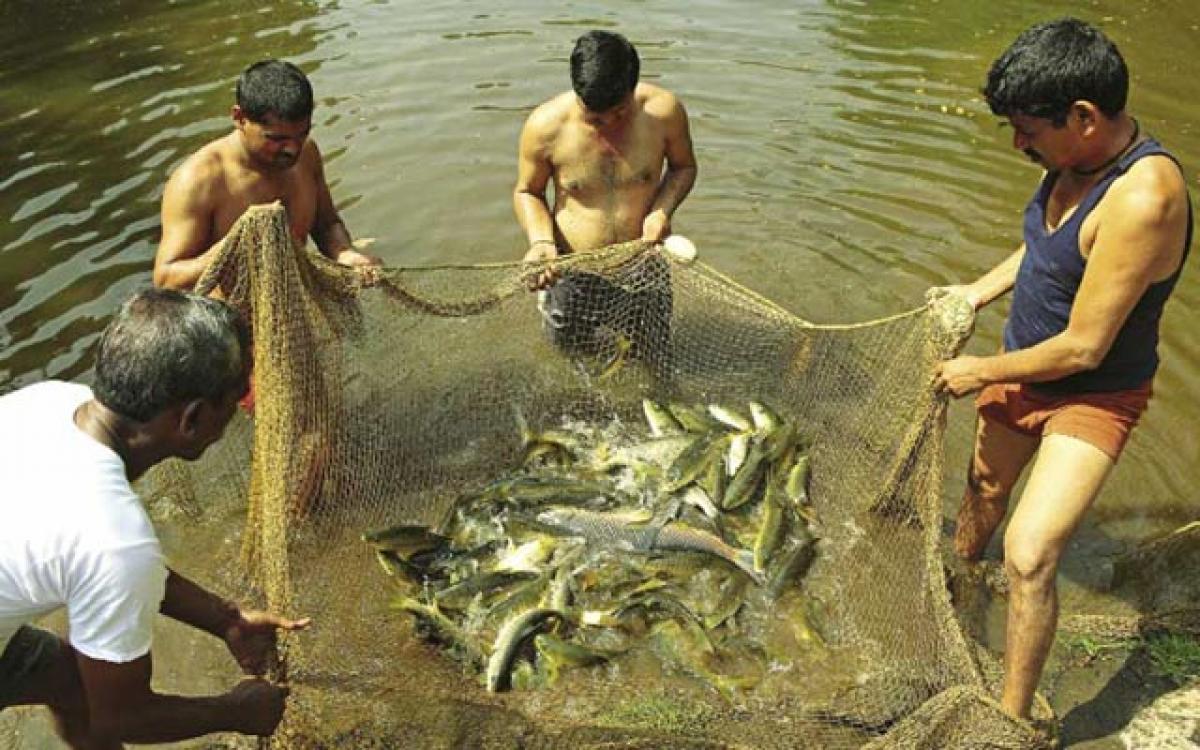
997,281
534,216
190,604
333,239
183,274
1056,357
675,186
170,718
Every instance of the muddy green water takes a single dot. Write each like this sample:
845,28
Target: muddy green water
847,163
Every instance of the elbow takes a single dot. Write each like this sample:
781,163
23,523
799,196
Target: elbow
1089,359
161,276
1085,356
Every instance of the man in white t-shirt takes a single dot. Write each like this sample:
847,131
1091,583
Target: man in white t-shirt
170,369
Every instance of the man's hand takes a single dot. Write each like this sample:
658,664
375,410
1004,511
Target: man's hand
656,226
959,376
251,638
541,252
356,258
965,291
258,706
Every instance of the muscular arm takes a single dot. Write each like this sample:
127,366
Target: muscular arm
329,232
1137,243
186,247
192,605
533,174
123,708
681,170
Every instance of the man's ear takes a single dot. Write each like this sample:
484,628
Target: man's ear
239,117
189,418
1086,114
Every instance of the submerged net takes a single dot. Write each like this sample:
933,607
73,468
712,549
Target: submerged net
386,399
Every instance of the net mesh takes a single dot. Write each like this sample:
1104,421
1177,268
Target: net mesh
383,399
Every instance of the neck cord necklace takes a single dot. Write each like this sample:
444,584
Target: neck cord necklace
1106,165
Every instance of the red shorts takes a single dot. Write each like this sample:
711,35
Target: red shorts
1100,419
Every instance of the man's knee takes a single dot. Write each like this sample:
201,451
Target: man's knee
1029,560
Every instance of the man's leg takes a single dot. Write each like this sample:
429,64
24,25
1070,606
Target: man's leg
53,681
999,456
1065,480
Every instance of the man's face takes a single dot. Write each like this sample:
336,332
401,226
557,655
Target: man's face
611,119
272,143
206,422
1044,143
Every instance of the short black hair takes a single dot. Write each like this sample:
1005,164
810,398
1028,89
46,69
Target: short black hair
274,87
1052,65
604,69
167,347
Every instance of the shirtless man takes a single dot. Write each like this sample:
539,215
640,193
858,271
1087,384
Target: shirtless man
1106,235
604,144
267,157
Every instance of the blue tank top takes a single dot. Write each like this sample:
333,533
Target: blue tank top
1049,279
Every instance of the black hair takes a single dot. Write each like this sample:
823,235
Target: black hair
1052,65
604,69
274,87
166,347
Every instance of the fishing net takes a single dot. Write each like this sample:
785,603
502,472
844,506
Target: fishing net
386,398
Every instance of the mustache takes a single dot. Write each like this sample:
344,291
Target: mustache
1033,155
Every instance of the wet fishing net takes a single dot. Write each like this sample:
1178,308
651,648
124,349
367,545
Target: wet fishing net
642,508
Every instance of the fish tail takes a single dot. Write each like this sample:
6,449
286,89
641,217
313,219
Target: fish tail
744,559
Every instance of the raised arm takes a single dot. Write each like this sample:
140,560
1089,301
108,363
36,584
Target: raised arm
329,232
681,169
187,246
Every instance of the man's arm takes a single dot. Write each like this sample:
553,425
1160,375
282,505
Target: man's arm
123,708
529,194
681,171
329,232
996,282
533,175
186,248
1129,253
250,636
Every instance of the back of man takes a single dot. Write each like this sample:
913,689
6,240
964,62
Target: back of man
74,533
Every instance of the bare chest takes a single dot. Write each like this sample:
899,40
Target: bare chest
248,189
585,163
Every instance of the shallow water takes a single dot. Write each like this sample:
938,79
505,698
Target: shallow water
846,160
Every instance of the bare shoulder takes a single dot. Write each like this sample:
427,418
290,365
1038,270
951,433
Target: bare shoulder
201,172
658,102
311,159
1153,189
548,117
545,122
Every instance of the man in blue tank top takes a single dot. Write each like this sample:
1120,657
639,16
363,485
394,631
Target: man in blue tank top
1105,238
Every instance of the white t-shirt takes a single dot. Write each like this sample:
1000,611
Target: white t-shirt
72,531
